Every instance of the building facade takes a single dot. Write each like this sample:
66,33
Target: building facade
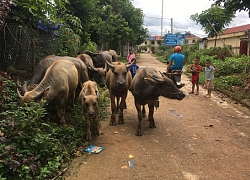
236,38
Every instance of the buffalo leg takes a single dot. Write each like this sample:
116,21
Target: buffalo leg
122,104
139,113
62,108
150,115
88,131
96,124
57,114
117,105
113,108
143,111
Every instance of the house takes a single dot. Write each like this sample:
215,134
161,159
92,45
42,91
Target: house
152,43
191,39
236,38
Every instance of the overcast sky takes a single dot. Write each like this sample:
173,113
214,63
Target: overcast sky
180,11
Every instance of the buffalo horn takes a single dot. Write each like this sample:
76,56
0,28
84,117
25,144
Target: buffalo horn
156,78
128,65
18,93
110,65
162,74
18,82
105,68
93,68
97,94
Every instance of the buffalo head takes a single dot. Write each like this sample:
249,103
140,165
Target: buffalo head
164,87
119,71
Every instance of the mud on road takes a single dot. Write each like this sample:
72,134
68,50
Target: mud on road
197,138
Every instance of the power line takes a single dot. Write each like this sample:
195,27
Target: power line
158,18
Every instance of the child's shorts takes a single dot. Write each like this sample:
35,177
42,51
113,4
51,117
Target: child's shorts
209,85
195,79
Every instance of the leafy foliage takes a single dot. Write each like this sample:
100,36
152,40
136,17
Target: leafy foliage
108,23
234,5
213,20
5,8
227,82
232,65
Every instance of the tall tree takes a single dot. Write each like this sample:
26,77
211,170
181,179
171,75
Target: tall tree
119,23
87,12
234,5
213,20
30,11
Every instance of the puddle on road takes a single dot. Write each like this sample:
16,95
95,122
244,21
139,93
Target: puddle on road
174,112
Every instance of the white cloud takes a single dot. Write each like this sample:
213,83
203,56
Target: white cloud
180,11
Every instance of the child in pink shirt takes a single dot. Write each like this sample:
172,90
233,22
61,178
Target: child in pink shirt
130,56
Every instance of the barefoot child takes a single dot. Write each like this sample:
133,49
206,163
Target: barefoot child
209,76
195,70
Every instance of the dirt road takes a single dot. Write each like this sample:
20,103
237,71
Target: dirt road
195,139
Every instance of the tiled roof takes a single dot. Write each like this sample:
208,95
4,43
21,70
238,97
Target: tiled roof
157,37
237,29
192,37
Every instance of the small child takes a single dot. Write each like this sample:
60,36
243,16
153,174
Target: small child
195,70
133,68
209,76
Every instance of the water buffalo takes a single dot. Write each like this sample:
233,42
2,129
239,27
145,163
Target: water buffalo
114,55
99,59
89,100
59,82
83,71
96,74
118,81
47,61
146,87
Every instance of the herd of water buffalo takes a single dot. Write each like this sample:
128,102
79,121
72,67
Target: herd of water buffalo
56,78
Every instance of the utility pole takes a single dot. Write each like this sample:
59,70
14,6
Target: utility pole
172,31
161,17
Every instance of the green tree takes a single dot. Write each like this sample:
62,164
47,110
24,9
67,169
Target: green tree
30,11
87,12
234,5
119,22
213,20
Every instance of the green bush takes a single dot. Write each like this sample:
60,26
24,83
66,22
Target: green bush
159,52
232,65
228,81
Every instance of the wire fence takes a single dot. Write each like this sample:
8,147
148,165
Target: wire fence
21,47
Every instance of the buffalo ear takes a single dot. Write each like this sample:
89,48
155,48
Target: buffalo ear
151,81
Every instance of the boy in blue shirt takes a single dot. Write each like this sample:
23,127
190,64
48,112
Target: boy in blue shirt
209,76
133,68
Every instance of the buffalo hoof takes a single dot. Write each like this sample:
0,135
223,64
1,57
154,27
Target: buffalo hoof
112,123
97,133
152,126
139,133
121,122
117,112
88,138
